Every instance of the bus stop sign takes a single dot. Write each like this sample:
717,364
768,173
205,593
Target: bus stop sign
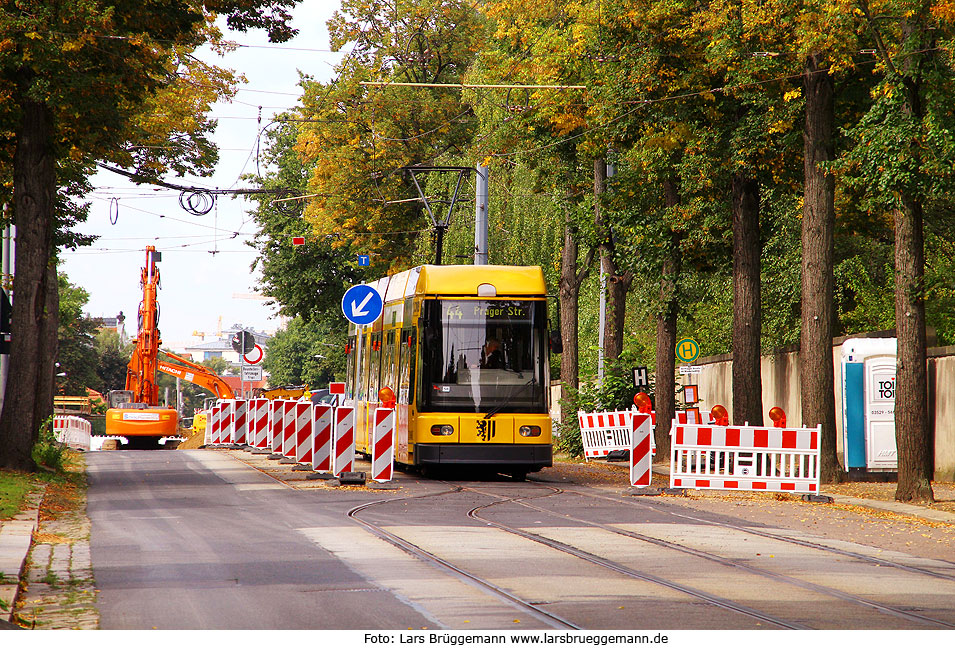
361,304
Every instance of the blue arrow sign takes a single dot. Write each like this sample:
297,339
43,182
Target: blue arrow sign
361,304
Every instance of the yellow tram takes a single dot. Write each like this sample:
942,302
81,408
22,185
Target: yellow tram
465,350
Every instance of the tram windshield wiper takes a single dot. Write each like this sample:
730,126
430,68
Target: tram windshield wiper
509,398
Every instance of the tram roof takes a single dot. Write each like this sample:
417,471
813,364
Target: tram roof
465,280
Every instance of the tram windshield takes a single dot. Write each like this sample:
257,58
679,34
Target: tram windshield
484,356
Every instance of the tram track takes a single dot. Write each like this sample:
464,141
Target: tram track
521,604
709,556
526,605
755,531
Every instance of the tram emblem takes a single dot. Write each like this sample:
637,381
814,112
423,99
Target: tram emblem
485,429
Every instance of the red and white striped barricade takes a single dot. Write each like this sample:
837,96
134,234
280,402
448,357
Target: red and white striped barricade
344,446
322,417
602,432
303,432
745,458
258,423
226,424
288,429
641,450
383,445
73,431
213,424
276,424
240,422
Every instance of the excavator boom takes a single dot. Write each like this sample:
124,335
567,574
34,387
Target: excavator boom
197,374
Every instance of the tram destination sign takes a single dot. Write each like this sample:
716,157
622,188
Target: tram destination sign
479,311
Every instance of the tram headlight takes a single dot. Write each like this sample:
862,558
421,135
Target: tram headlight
530,431
442,429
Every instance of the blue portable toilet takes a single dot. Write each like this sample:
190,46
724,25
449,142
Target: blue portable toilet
868,404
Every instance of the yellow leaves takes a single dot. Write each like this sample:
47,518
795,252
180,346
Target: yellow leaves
944,10
790,95
33,36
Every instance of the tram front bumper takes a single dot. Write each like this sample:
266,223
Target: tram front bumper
537,455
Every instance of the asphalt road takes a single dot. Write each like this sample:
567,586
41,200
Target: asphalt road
197,540
202,540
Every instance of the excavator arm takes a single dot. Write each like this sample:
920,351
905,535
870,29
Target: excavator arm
195,373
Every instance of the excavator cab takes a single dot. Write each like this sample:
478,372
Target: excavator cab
117,398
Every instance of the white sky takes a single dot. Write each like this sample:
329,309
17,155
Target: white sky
197,288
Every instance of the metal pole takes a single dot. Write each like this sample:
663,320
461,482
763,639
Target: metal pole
603,306
480,216
603,323
5,259
439,243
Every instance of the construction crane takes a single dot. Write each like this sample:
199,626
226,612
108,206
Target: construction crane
135,413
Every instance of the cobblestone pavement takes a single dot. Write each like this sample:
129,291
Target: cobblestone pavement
59,591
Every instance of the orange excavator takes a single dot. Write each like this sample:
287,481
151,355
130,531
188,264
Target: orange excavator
135,413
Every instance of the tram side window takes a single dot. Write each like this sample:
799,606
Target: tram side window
389,369
404,365
374,374
350,360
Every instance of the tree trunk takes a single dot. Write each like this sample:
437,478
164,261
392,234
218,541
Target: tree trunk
664,403
48,348
618,285
816,376
571,277
747,310
913,435
34,187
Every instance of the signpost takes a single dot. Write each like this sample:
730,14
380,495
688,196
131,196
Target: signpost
361,304
687,351
242,343
641,379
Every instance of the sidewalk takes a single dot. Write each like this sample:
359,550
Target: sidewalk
15,538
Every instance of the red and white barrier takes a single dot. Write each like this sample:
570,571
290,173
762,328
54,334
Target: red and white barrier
383,445
288,429
745,458
276,424
214,423
73,431
641,450
303,432
344,446
240,421
226,423
603,432
322,438
258,423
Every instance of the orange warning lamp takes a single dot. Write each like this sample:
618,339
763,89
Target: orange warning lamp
642,401
387,397
720,416
778,415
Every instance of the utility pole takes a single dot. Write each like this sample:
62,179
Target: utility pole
480,216
6,280
601,334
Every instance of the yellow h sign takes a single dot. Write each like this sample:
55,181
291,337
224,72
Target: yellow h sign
687,350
